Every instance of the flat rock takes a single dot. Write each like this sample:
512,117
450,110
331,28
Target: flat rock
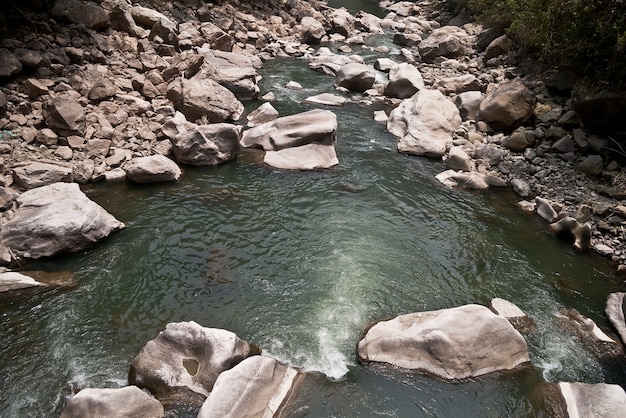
126,402
32,174
152,169
305,157
327,99
204,98
263,114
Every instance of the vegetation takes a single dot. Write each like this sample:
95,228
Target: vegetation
588,37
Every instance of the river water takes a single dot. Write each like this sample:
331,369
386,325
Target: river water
300,263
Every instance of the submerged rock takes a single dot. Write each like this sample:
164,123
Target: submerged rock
572,231
305,157
126,402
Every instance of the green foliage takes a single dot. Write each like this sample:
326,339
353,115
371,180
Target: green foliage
584,35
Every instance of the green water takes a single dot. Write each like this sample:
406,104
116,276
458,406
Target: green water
300,264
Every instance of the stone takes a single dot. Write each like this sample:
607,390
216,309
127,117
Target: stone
341,21
599,400
468,180
121,19
258,386
513,314
384,64
508,106
328,63
64,152
447,41
519,140
564,145
47,137
455,343
33,174
9,64
293,85
603,250
207,144
65,116
459,84
262,114
458,159
184,360
292,131
502,45
54,219
126,402
366,22
570,230
216,37
615,310
146,17
381,116
82,13
204,98
545,210
305,157
7,196
404,81
101,90
29,58
424,123
152,169
35,88
592,337
234,71
116,175
166,30
312,31
83,171
592,165
355,77
327,99
98,147
521,188
468,104
12,280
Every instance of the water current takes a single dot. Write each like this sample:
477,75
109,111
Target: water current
300,263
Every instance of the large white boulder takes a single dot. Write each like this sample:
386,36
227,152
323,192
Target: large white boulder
355,77
404,81
152,169
126,402
600,400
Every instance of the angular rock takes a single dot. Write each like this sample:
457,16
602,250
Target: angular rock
355,77
184,360
328,63
502,45
599,400
65,116
32,174
447,41
592,337
207,144
9,64
263,114
204,98
467,180
292,131
165,29
258,386
216,37
341,21
35,88
126,402
81,12
83,171
327,99
460,84
384,64
404,81
424,123
521,188
146,17
102,90
519,140
570,230
592,165
55,219
233,71
312,30
152,169
545,210
305,157
7,196
513,314
455,343
508,106
12,280
468,103
615,310
458,159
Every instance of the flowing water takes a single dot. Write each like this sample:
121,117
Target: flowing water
300,263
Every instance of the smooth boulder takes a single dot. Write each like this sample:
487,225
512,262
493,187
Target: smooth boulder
207,144
306,157
455,343
54,219
256,387
126,402
205,98
615,310
355,77
424,123
152,169
508,106
404,81
599,400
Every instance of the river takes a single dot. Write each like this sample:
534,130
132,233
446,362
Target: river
300,263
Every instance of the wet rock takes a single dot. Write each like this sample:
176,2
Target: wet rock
65,116
508,106
9,64
615,310
545,210
570,230
453,343
12,280
55,219
447,41
328,63
263,114
82,13
467,180
593,400
204,98
513,314
521,188
183,361
404,81
355,77
592,165
33,174
424,123
129,401
592,337
327,99
305,157
258,386
152,169
207,144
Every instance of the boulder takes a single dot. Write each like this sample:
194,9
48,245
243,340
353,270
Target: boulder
447,41
184,360
455,343
459,84
12,280
341,21
615,310
570,230
519,140
521,187
292,131
468,104
592,337
263,114
355,77
385,64
327,99
366,22
508,106
404,81
512,313
600,400
101,90
592,165
258,386
146,17
204,98
236,72
312,30
152,169
502,45
207,144
9,64
126,402
458,159
467,180
424,123
81,13
166,30
32,174
305,157
65,116
545,210
217,39
55,219
328,63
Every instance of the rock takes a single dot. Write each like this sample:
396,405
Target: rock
312,30
499,46
258,386
29,58
83,171
152,169
615,310
184,360
207,144
592,337
545,210
263,114
564,145
305,157
98,147
508,106
7,196
366,22
12,280
117,175
424,123
126,402
293,85
459,84
166,30
407,39
570,230
32,174
216,38
380,116
603,250
355,77
384,64
468,103
55,219
328,63
599,400
327,99
592,165
82,13
489,153
204,98
47,137
65,116
35,88
455,343
513,314
404,81
519,140
292,131
341,21
121,19
233,71
9,64
103,89
147,17
459,160
447,41
466,180
521,188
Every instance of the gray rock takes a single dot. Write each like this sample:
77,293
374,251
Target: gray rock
65,116
459,84
614,309
328,63
424,123
489,153
519,140
447,41
305,157
204,98
83,171
147,17
312,30
32,174
459,160
545,210
499,46
468,180
564,145
404,81
116,175
82,13
455,343
384,64
126,402
258,386
263,114
236,72
571,230
327,99
55,219
600,400
513,314
355,77
592,165
152,169
207,144
508,106
521,188
12,280
9,64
